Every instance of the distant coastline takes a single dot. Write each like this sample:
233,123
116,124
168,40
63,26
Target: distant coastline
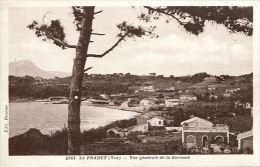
115,107
20,100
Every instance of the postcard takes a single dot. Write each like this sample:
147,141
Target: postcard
130,83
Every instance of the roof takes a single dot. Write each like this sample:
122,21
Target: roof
175,100
148,115
159,117
196,119
187,95
132,127
244,135
115,128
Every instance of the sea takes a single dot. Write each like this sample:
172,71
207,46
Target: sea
49,117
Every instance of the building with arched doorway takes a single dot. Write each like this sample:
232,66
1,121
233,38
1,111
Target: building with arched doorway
200,132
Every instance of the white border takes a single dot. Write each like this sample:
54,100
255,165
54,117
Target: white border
195,160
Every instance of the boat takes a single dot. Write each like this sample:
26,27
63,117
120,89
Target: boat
95,101
43,100
59,100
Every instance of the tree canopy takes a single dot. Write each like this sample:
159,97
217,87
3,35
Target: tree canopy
193,18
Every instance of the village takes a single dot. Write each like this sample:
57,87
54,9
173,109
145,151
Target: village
164,117
199,114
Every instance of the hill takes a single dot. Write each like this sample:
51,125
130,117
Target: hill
26,67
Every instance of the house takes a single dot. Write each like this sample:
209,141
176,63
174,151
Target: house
138,128
172,88
147,88
147,103
213,97
141,120
133,102
245,141
185,98
172,102
180,91
211,87
247,105
145,117
232,90
125,105
39,80
178,82
118,132
201,133
210,80
226,94
156,121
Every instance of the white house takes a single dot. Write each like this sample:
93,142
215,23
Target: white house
147,103
185,98
172,88
172,102
210,87
212,96
119,132
145,117
210,79
232,90
156,121
245,140
226,94
125,105
247,105
147,88
200,132
139,128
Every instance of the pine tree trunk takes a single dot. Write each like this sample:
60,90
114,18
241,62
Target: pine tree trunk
76,82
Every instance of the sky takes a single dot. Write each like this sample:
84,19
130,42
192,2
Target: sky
176,52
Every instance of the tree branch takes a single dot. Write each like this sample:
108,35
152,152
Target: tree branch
98,12
65,44
87,69
84,99
109,50
161,11
44,16
97,34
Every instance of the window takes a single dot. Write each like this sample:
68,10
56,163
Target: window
160,122
204,141
219,139
190,141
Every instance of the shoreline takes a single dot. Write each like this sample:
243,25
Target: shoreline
115,107
24,100
84,105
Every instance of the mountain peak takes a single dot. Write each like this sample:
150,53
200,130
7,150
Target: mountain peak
27,67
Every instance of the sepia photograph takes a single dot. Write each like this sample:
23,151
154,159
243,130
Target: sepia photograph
104,82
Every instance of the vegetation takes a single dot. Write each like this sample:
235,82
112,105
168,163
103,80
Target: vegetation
93,85
33,142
